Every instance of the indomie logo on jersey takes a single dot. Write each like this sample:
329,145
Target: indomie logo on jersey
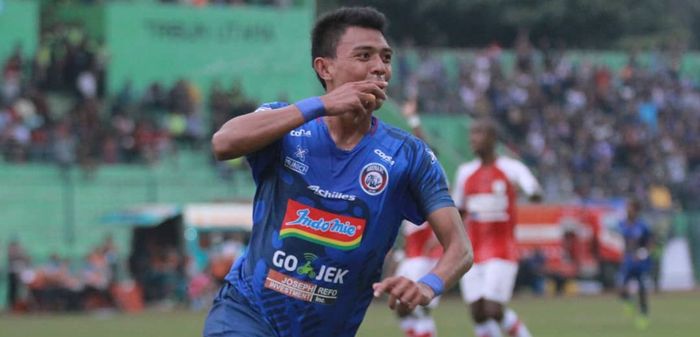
325,228
374,178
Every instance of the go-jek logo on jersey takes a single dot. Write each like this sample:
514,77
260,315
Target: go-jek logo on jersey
321,227
374,178
289,262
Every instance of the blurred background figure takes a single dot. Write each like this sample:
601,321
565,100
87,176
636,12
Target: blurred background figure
485,190
18,262
637,262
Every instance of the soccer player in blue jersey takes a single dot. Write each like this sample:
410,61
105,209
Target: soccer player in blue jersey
333,185
636,261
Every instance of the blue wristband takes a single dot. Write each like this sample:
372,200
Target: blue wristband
311,108
434,282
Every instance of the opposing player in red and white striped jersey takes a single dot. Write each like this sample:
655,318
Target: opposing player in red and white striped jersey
485,191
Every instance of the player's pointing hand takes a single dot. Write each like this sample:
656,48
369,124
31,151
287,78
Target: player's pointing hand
404,294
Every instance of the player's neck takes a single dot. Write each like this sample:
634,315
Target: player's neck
488,158
347,130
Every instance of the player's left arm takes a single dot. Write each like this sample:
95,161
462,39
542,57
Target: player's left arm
527,182
428,187
405,294
458,255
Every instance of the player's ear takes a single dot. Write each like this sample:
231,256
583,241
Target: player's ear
324,68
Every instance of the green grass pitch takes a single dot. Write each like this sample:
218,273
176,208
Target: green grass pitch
672,314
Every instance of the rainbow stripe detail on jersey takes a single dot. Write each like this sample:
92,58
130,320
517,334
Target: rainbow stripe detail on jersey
321,227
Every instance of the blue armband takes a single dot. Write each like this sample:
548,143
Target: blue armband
434,282
311,108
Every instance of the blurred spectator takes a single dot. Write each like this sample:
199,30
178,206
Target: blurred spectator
224,105
97,276
130,127
17,261
532,272
589,131
224,254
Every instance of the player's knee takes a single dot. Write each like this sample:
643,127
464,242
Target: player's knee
493,310
404,314
479,317
478,313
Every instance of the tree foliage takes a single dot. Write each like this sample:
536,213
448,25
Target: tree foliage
574,23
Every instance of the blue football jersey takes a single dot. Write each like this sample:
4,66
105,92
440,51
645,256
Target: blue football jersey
636,235
324,219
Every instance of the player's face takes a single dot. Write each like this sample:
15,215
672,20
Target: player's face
361,54
481,139
631,210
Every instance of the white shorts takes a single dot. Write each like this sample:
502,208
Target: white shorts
492,280
414,268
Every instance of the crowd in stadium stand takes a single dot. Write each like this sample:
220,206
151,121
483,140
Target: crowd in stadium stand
58,285
156,273
53,109
588,131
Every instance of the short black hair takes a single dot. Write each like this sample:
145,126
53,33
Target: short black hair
488,123
332,25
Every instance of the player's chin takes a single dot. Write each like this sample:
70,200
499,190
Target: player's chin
378,104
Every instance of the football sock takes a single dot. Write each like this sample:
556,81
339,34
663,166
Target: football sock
512,325
425,327
407,325
488,329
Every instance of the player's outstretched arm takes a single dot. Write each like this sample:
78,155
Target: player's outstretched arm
458,255
404,294
251,132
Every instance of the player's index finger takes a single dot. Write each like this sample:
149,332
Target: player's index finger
372,88
378,288
384,286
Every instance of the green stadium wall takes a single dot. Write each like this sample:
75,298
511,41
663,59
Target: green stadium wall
19,23
264,48
40,205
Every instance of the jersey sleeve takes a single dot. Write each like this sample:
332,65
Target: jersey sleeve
458,187
427,185
260,160
525,179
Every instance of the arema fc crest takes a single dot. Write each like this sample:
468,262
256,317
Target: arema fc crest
374,178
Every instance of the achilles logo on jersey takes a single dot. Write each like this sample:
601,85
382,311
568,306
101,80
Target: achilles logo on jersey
384,156
300,133
296,166
374,178
281,259
331,194
321,227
